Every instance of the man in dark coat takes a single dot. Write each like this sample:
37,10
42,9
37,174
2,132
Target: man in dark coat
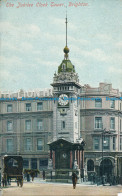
43,175
74,180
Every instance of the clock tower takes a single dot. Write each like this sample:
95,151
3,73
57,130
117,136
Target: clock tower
67,147
66,111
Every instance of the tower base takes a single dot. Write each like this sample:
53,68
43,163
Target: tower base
62,175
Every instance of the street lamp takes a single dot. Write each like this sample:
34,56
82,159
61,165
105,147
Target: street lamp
102,159
103,133
103,142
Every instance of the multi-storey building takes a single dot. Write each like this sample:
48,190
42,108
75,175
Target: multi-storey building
101,127
26,126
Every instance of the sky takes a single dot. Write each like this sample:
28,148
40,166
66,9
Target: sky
33,38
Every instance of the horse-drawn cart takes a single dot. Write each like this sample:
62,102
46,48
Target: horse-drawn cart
13,168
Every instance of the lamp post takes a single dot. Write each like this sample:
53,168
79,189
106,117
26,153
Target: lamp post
103,132
102,159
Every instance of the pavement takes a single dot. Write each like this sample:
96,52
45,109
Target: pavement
0,192
59,189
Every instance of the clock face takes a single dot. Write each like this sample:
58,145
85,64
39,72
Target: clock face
63,99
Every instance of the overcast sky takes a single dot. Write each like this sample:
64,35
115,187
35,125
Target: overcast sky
32,42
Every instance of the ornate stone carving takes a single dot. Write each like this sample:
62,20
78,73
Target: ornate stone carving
75,165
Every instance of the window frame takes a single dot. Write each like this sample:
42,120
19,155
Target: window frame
27,126
120,142
114,143
96,138
42,145
9,130
106,147
112,102
39,128
99,102
26,146
28,107
101,124
11,108
111,124
41,104
12,149
25,166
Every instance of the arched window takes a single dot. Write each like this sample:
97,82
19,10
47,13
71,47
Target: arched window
90,165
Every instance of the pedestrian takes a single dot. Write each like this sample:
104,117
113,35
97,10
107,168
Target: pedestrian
74,179
43,175
3,181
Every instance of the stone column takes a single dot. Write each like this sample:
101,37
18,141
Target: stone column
53,159
70,159
79,159
29,163
75,155
50,154
82,157
115,167
38,160
82,163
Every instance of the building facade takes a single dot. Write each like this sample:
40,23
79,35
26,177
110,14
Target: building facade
26,127
30,120
101,127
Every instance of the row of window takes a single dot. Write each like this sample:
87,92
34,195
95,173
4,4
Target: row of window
106,143
27,144
40,144
40,127
28,125
33,163
63,88
28,107
99,124
98,103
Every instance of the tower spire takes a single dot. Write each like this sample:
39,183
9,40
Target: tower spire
66,27
66,49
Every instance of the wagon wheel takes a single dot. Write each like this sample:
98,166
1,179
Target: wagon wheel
21,183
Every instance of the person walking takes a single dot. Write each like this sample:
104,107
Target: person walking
74,179
43,175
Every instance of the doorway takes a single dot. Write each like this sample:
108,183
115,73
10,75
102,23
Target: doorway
106,168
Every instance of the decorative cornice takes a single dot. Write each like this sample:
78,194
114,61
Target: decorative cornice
106,112
23,115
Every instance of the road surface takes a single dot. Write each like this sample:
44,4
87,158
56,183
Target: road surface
39,189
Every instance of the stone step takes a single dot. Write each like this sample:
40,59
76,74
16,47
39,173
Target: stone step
58,180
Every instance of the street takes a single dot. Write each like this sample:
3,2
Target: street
53,189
